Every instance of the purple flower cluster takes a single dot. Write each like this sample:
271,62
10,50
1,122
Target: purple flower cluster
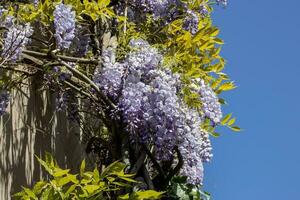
191,22
211,106
142,59
64,24
164,115
168,10
66,101
4,100
158,8
203,10
61,101
8,22
222,2
81,42
206,148
108,76
148,98
15,39
133,103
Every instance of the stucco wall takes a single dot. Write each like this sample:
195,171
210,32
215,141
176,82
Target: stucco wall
31,128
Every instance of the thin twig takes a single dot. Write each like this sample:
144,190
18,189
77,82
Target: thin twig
89,81
33,59
65,58
16,70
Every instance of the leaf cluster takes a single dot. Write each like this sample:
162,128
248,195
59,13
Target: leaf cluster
63,185
96,10
179,189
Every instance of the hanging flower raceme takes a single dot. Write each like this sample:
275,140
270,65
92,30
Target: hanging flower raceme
15,39
109,75
81,42
64,24
211,106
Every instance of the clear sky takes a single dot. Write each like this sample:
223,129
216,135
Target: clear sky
262,39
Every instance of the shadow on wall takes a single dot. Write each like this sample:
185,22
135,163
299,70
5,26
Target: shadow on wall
31,128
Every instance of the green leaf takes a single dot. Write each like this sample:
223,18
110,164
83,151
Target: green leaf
38,187
96,175
82,168
30,193
123,197
19,194
216,83
128,179
70,190
63,181
48,192
45,165
49,160
222,101
231,121
227,86
235,128
86,181
125,185
226,118
114,168
60,172
214,134
148,194
218,41
91,188
110,179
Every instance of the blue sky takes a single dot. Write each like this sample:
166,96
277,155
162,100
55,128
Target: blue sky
262,49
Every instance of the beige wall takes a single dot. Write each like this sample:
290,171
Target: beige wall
31,128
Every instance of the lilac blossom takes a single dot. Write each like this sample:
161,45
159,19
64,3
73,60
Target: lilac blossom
15,41
66,101
133,104
142,58
156,7
203,9
64,24
109,75
191,22
80,45
211,106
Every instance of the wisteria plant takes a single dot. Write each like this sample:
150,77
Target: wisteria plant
141,78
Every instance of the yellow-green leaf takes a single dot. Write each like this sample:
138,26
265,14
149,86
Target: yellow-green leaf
82,168
227,86
60,172
231,121
235,128
226,118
